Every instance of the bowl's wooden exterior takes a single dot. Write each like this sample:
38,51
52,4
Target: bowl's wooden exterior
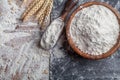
78,51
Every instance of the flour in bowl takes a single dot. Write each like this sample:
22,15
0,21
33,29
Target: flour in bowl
94,29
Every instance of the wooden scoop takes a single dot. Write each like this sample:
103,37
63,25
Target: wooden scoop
54,30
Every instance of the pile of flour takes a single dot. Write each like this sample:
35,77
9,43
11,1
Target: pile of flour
95,29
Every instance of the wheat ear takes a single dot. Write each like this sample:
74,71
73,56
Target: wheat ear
41,19
46,14
29,7
49,8
33,10
42,9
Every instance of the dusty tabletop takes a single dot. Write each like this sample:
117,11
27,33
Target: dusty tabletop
22,58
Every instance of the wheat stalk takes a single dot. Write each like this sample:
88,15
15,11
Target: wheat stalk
46,13
29,7
42,9
34,9
41,19
49,8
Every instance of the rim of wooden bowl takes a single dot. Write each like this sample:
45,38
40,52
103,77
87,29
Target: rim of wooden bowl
77,50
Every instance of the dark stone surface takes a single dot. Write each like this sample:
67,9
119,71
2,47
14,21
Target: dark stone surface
65,64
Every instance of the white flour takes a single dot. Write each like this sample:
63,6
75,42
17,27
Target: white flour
52,34
20,57
94,30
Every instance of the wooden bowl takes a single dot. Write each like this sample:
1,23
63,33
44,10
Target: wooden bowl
78,51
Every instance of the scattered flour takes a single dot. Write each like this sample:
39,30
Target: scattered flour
94,30
20,57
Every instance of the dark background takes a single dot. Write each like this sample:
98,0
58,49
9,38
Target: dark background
65,64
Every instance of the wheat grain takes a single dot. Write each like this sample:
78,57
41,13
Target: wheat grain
49,8
34,10
29,7
47,14
41,19
42,9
